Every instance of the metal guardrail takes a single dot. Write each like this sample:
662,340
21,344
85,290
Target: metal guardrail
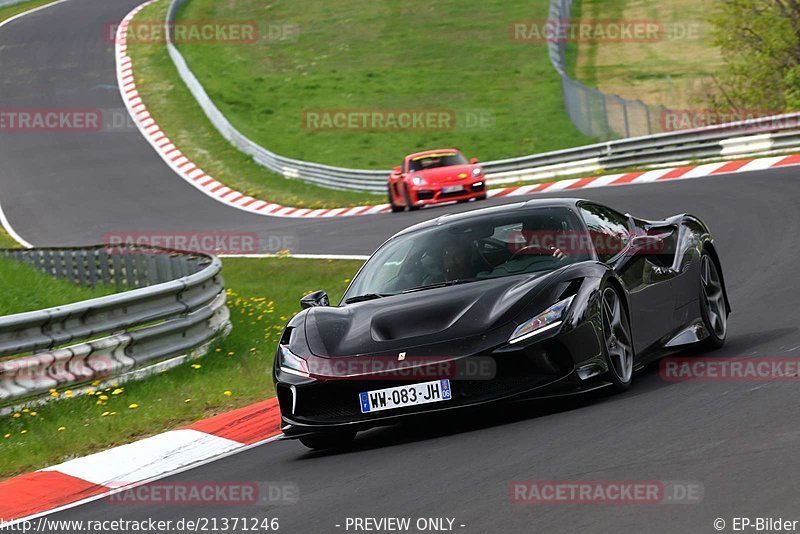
6,3
712,142
324,175
173,308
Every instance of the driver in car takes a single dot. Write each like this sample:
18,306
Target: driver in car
456,264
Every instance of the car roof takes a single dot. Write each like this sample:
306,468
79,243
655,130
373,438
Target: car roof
427,152
504,208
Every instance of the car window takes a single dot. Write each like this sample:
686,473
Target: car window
608,230
479,248
432,161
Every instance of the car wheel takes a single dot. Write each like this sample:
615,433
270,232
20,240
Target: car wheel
328,440
409,205
713,308
395,207
482,197
617,344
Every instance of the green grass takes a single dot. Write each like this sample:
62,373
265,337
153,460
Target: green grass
26,289
16,9
6,241
674,71
240,363
181,118
364,54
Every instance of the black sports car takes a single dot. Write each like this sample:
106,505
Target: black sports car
535,299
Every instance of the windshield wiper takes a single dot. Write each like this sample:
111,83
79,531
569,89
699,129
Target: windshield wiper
440,284
366,296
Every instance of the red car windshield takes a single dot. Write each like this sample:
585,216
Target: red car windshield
432,161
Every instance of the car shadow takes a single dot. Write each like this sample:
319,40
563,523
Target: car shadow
434,426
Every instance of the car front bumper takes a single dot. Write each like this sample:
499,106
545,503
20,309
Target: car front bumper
437,193
543,368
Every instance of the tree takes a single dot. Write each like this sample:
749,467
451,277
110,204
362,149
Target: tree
760,44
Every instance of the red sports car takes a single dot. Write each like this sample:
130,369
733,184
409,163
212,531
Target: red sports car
435,176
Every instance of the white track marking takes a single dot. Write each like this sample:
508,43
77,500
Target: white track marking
761,164
703,170
34,10
10,230
143,482
3,219
145,459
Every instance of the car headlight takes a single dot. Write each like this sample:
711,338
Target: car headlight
477,171
291,363
551,318
418,180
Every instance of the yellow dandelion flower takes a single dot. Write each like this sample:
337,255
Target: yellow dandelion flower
104,414
103,397
23,432
228,393
62,428
116,391
196,366
7,436
187,401
17,415
25,410
133,406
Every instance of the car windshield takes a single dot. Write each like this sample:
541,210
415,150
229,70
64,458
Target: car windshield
431,161
480,248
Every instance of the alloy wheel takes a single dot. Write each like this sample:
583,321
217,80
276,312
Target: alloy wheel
713,297
617,336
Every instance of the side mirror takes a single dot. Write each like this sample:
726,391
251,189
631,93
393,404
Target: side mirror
473,160
317,298
397,170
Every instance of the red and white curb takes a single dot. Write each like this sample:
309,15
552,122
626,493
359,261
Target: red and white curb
100,475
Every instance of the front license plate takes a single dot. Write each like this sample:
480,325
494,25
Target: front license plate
390,398
452,188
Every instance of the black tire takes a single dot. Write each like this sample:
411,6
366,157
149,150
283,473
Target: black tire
713,306
617,339
409,205
395,208
482,197
328,440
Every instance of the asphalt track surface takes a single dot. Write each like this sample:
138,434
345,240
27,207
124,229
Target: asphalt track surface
739,440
